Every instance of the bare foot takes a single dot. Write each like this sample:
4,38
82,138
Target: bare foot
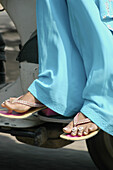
81,129
20,107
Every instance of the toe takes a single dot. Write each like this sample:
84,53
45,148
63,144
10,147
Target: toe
3,104
80,131
74,131
92,127
68,128
8,106
86,131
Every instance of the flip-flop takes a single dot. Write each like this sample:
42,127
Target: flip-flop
48,115
68,136
77,138
35,107
54,118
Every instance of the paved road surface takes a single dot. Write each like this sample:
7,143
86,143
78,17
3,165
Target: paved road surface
17,156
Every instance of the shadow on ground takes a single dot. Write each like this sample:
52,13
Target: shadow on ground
18,156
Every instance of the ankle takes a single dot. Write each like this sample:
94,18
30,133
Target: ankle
29,97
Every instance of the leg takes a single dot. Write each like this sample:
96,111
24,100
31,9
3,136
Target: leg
95,42
61,77
59,85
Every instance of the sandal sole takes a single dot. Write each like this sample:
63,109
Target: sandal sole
16,115
78,138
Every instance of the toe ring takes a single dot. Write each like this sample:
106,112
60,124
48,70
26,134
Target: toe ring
74,129
80,128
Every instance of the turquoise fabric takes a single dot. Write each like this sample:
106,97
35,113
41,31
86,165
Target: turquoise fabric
76,59
59,60
106,12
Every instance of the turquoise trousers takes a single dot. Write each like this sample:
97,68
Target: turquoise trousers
75,43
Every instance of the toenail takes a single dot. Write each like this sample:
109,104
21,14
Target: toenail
73,133
79,133
85,133
91,128
65,128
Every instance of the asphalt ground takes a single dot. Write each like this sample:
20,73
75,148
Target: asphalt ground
18,156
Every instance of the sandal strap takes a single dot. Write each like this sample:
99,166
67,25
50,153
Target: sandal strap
31,104
83,121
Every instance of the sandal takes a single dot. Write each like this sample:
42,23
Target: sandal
48,115
16,115
68,136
